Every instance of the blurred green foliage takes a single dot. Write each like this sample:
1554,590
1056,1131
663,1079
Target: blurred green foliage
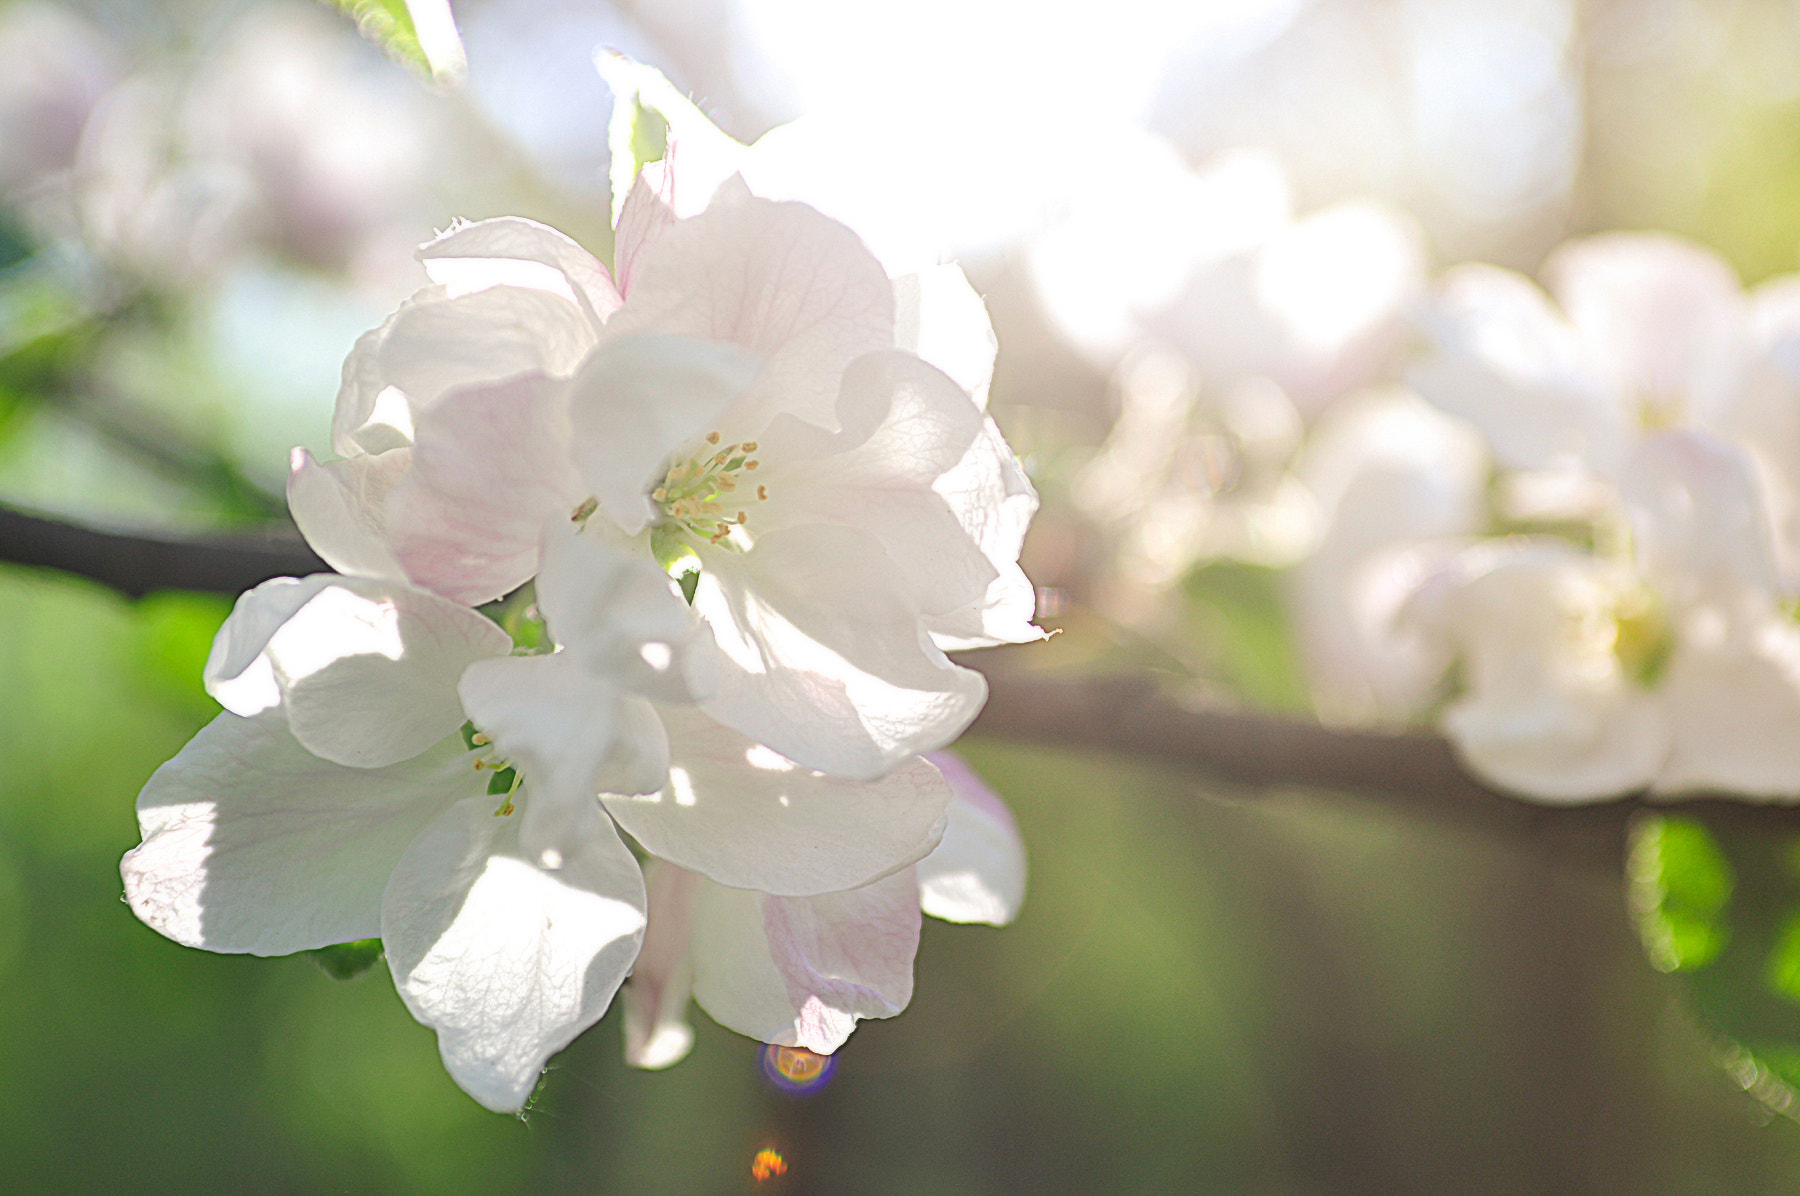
1208,991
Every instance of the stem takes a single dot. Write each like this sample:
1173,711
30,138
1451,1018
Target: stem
1412,772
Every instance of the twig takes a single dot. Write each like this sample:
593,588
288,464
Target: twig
1414,773
136,564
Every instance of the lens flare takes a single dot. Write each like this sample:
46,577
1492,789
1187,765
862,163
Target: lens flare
767,1162
795,1069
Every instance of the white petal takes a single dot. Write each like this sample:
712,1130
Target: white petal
699,155
490,466
939,316
778,279
340,508
1661,318
800,971
1734,707
822,656
977,874
569,733
657,1033
618,615
436,344
1506,360
501,252
994,502
746,817
639,399
253,844
1700,519
506,961
366,670
907,429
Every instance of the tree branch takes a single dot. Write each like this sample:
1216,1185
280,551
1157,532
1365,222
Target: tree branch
136,564
1412,773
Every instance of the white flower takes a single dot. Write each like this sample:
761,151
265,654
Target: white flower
802,970
1678,671
1399,485
1641,333
343,805
737,404
337,800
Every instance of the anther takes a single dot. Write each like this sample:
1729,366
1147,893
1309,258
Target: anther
712,438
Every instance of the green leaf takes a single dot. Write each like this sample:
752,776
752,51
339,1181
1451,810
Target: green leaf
419,33
1715,892
346,961
1680,886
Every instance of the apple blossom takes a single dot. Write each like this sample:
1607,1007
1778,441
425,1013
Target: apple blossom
1639,333
802,970
336,800
737,404
1676,669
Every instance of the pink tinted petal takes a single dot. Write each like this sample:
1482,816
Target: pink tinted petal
977,874
793,287
655,998
489,468
340,507
506,961
800,971
746,817
253,844
436,344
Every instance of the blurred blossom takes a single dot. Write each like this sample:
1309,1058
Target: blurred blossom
1641,332
1185,476
54,67
1229,325
147,208
1399,487
1215,264
1466,111
296,136
1674,666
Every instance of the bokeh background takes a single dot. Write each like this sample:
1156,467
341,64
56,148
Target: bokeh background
1209,990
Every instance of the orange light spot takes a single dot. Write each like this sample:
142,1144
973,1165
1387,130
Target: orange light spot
767,1162
797,1064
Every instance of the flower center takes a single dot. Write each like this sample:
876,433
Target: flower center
701,494
1642,639
504,782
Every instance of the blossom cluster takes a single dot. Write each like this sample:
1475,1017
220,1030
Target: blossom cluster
1561,522
1635,629
740,496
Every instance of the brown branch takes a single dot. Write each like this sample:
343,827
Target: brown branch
136,564
1413,773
